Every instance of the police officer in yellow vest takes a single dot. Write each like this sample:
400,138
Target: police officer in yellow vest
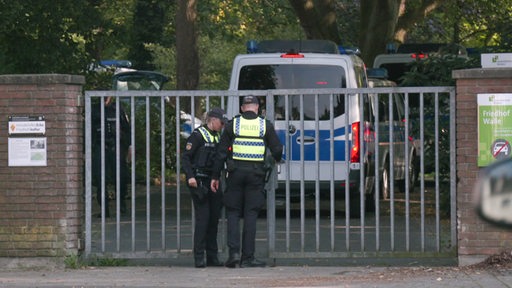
242,147
197,160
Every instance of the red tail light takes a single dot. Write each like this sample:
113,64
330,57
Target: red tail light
354,151
419,56
292,55
368,136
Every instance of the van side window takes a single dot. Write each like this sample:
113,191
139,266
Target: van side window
367,109
399,108
360,76
383,100
384,108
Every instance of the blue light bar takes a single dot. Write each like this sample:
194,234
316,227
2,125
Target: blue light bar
252,46
116,63
349,50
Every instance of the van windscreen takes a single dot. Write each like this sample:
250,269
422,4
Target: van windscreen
297,76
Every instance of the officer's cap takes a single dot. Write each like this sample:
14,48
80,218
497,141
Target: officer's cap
218,113
250,100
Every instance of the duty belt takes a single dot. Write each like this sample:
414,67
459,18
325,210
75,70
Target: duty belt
201,174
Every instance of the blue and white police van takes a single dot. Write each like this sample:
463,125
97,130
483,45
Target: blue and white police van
311,125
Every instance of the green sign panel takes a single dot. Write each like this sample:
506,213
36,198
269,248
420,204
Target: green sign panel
494,127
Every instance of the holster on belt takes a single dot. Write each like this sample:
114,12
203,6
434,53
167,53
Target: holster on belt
199,192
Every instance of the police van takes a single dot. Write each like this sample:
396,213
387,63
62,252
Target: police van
305,121
397,61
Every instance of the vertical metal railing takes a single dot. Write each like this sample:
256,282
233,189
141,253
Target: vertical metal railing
388,229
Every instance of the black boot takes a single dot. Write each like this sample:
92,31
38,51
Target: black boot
199,263
252,262
213,261
233,260
199,260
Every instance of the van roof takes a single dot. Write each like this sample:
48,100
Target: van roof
298,46
277,58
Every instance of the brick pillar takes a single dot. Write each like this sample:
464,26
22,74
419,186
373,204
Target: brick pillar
41,208
476,238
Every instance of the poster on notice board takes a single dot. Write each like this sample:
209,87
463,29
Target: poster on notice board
494,127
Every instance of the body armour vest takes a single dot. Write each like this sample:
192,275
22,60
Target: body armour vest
249,144
204,159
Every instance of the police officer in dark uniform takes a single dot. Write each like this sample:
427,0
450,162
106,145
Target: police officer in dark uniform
197,160
243,146
110,151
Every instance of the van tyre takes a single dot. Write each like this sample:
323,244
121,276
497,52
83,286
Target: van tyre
355,205
413,176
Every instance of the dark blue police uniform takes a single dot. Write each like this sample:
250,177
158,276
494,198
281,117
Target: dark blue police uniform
197,163
244,196
110,151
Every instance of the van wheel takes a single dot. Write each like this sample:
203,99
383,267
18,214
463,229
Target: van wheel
385,182
369,201
355,205
413,176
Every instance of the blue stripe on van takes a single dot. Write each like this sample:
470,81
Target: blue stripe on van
311,147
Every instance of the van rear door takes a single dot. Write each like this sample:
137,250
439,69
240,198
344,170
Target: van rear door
270,71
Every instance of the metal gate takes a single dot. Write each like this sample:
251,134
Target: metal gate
304,221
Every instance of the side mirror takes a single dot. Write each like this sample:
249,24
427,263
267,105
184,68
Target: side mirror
493,193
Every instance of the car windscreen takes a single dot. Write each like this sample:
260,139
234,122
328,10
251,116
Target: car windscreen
395,70
137,82
297,76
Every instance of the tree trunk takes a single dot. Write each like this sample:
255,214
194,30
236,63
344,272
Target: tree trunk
378,23
387,21
148,27
187,68
317,18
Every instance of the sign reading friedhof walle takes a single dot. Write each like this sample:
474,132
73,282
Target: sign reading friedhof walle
27,147
494,127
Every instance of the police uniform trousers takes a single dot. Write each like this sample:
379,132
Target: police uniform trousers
207,213
110,173
244,198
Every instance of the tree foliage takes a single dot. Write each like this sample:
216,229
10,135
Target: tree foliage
436,70
30,31
148,25
65,36
194,42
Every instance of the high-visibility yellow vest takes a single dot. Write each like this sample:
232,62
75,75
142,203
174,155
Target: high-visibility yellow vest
207,136
248,144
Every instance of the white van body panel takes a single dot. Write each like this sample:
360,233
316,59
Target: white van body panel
303,164
382,59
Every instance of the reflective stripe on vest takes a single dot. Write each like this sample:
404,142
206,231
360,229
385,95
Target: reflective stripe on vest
248,144
207,136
